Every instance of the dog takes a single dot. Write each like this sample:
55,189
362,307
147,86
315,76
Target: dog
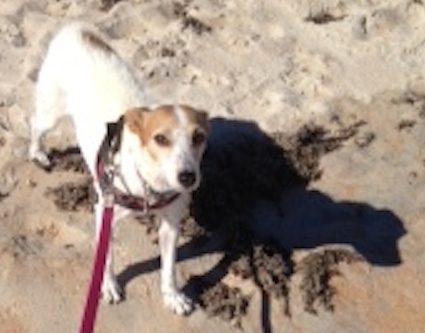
157,150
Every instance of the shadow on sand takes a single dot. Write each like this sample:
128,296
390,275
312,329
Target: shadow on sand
255,208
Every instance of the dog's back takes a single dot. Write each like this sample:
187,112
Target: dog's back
95,81
82,76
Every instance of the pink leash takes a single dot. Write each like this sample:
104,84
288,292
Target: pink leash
92,301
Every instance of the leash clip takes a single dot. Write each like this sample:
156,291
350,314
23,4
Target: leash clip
108,191
108,199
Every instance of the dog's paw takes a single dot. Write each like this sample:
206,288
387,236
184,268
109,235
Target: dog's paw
177,302
111,291
41,159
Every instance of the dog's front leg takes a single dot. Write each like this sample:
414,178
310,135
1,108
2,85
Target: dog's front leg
111,290
168,236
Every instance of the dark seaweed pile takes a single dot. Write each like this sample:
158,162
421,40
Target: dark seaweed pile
74,196
67,160
227,303
317,269
268,267
311,142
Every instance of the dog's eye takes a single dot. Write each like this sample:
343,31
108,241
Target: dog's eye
198,138
161,140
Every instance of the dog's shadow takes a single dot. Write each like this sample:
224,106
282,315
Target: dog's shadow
252,188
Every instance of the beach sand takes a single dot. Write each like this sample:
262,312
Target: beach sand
311,215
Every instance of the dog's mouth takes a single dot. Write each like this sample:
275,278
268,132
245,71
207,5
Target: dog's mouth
160,185
185,179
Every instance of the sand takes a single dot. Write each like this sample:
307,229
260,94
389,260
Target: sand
335,221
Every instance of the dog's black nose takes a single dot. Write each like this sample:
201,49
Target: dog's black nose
187,178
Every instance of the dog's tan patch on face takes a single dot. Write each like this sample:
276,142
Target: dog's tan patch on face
96,42
157,132
153,127
160,120
149,122
133,118
157,128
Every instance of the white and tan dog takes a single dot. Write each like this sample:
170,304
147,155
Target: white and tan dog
160,150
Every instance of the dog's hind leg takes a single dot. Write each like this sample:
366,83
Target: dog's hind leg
36,152
49,109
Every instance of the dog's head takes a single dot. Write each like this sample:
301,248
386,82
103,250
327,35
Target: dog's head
167,144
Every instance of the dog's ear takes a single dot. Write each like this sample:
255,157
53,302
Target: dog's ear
133,118
203,114
202,117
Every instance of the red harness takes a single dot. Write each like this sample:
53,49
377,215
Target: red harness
111,196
